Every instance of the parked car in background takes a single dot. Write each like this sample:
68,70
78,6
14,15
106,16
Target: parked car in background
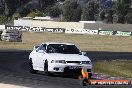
11,35
0,34
54,57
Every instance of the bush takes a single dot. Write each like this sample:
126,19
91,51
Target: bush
16,16
38,13
3,19
31,14
35,13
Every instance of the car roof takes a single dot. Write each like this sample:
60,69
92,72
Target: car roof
58,43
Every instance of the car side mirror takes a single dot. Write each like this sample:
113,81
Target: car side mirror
84,53
35,47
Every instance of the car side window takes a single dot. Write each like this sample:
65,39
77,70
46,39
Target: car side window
42,47
50,49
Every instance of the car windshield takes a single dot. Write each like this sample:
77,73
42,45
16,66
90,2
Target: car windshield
62,48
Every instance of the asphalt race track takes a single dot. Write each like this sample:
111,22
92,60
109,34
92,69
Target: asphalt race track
14,70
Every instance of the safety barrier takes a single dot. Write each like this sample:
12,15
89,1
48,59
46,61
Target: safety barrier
36,29
68,30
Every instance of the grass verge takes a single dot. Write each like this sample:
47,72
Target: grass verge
114,68
84,42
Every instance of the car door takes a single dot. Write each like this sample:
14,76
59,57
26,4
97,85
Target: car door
35,56
41,57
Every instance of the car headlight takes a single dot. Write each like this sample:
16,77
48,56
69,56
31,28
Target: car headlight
86,62
58,61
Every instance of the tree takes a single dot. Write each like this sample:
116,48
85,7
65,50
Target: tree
62,0
25,11
46,3
89,11
2,4
109,16
129,18
11,5
1,10
102,15
122,9
54,11
71,11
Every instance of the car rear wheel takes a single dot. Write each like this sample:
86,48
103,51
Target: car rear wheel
31,67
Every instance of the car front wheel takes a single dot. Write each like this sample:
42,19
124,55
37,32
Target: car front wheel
46,67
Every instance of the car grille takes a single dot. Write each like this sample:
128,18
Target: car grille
72,72
78,62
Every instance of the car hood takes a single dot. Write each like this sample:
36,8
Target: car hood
68,57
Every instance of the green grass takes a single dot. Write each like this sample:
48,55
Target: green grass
84,42
114,68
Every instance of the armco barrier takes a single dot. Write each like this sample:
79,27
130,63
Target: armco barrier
102,32
117,33
68,30
81,31
122,33
36,29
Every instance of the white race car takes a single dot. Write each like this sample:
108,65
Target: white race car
58,58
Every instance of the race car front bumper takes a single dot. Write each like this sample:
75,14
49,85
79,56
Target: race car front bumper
70,69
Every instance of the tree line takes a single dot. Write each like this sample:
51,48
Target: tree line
72,11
